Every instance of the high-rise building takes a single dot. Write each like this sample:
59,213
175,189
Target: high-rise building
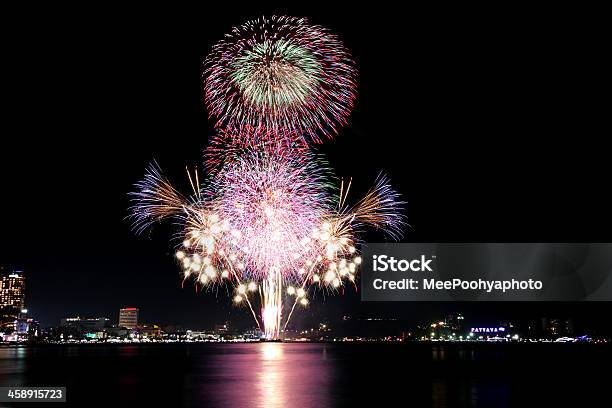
12,292
128,317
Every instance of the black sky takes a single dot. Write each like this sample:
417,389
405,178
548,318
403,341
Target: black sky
492,128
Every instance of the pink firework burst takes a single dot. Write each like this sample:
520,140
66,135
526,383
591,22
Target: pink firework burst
273,203
280,73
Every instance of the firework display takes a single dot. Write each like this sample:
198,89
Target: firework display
269,222
268,227
280,73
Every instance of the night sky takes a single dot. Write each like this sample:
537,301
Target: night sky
490,128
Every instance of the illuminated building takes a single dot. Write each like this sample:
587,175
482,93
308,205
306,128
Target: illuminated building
12,294
26,327
78,327
223,328
128,317
84,324
553,328
149,331
12,290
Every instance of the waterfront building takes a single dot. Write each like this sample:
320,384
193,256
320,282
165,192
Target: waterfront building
12,292
128,317
84,324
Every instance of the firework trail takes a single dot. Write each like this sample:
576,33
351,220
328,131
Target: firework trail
280,73
157,199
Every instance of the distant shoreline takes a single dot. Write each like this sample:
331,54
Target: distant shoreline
335,343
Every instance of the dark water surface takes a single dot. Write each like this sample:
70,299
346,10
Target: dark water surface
315,375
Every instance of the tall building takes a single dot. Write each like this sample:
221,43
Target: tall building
128,317
12,292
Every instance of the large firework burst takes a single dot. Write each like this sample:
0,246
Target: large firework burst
269,226
280,73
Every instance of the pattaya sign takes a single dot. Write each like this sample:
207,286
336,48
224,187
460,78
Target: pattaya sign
487,329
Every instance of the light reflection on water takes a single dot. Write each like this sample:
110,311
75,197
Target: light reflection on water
271,384
310,375
272,375
12,366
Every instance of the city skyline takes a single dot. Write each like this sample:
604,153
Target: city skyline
453,327
556,323
589,314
